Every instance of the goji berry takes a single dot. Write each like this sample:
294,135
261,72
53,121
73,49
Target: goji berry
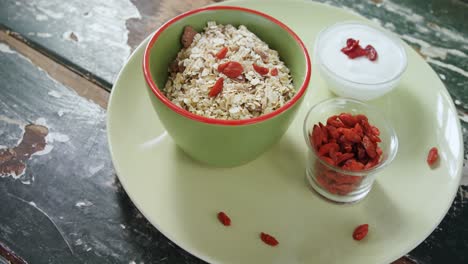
328,160
351,136
333,132
371,53
354,50
232,70
269,239
360,232
224,219
324,133
274,72
347,147
217,87
222,66
369,146
334,121
261,70
325,149
344,157
358,130
432,156
317,136
351,44
222,53
375,130
352,164
348,119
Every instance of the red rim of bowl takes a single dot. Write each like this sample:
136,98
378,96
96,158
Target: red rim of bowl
183,112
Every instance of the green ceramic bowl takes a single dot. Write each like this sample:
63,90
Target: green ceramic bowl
224,143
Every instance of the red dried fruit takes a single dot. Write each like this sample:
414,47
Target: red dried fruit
334,121
222,53
371,53
344,157
351,44
232,70
358,130
332,131
432,156
356,53
268,239
274,72
347,147
217,87
328,160
317,136
324,132
261,70
224,219
369,146
353,165
351,136
325,149
222,66
375,130
354,50
361,153
360,232
348,119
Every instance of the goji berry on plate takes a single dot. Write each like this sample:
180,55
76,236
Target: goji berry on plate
269,239
224,219
360,232
432,156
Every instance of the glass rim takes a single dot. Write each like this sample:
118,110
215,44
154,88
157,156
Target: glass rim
393,138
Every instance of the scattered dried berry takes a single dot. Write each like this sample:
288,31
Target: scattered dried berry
224,219
432,156
268,239
361,232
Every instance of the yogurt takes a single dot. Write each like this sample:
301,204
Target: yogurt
359,78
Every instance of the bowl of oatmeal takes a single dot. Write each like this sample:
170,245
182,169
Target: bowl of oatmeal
226,82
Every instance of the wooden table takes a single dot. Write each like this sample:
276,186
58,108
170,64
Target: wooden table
60,199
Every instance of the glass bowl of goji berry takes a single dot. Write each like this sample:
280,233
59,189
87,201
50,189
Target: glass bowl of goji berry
349,142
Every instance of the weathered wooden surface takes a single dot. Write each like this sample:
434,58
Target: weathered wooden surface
70,209
65,205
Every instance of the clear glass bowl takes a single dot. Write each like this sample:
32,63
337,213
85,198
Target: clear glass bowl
332,182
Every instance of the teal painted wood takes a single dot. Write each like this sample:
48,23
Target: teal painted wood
68,206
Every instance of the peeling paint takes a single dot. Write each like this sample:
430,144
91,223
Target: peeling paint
54,94
5,48
432,51
84,203
448,66
43,35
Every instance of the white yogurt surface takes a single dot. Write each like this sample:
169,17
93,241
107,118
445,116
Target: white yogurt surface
389,64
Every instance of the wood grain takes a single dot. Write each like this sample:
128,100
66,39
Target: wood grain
58,71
